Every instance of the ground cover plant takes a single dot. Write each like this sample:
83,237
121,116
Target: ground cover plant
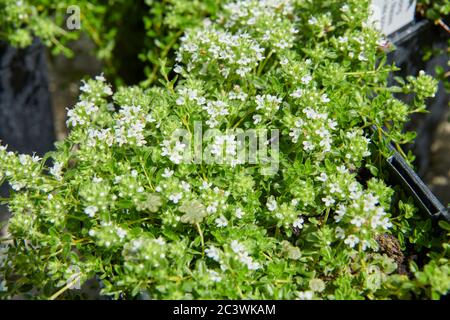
127,201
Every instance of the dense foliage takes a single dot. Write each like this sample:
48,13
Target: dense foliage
122,203
129,36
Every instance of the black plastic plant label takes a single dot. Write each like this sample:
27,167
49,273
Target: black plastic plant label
391,15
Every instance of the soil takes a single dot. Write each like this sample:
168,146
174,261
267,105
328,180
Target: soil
391,247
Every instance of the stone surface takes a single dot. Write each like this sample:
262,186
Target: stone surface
26,120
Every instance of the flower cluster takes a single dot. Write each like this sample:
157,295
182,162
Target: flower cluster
174,150
268,21
268,105
211,51
216,110
314,131
286,214
108,235
130,125
363,217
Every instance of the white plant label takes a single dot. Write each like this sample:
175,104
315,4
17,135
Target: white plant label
391,15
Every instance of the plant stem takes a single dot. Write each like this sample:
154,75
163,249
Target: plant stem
327,213
65,288
201,236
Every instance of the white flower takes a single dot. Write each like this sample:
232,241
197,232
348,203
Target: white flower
268,103
91,211
173,152
121,233
295,134
257,119
167,173
97,180
251,265
212,208
379,220
322,177
17,186
239,213
297,93
160,241
215,110
23,159
272,204
353,187
370,202
107,90
351,241
358,221
243,255
284,61
335,188
324,98
326,143
332,124
214,276
306,79
305,295
342,39
340,234
386,224
85,87
308,145
100,78
221,222
74,272
180,101
178,69
312,20
364,245
205,186
213,253
322,132
329,201
175,197
299,123
185,186
237,94
56,170
311,113
362,57
149,118
236,246
3,287
298,223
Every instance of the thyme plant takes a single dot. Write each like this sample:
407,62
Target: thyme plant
124,201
